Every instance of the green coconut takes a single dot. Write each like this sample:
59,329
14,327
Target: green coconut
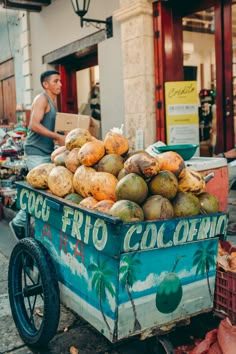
132,187
169,292
111,163
157,207
122,173
74,197
186,204
209,203
165,184
127,211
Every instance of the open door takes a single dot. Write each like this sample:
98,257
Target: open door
68,68
67,101
205,28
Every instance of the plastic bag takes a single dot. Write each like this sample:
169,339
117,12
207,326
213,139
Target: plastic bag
215,349
227,337
204,346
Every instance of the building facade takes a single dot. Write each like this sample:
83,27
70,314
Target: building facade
153,42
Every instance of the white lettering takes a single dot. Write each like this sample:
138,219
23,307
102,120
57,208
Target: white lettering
134,229
23,192
31,202
45,211
65,218
39,201
193,229
149,237
221,221
213,227
204,228
77,223
183,224
100,243
88,227
160,238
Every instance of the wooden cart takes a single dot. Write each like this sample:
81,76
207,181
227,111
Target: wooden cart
125,279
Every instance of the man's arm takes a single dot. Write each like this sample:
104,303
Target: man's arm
230,154
39,108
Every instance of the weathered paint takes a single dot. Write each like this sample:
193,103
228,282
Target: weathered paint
93,228
125,278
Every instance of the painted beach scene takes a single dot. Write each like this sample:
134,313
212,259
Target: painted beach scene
127,294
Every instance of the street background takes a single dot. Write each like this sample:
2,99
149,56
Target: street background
74,331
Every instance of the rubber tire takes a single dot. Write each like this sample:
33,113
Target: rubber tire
34,337
160,345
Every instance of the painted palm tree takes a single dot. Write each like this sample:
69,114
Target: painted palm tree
101,282
204,259
128,270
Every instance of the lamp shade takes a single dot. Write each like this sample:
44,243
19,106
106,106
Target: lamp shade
80,7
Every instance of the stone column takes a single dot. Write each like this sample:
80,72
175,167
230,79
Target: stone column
27,67
137,42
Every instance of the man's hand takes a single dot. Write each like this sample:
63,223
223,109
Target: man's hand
60,139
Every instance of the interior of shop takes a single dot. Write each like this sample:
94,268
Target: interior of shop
200,65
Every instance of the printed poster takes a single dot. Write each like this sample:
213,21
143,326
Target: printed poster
182,121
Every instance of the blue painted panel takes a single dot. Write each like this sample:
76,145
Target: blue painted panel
125,278
109,234
162,286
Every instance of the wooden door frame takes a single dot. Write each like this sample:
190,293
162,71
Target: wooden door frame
67,101
168,57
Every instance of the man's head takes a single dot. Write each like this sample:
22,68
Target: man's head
51,81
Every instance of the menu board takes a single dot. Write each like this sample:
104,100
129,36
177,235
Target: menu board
181,104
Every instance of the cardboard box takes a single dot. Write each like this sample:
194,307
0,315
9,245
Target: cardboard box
95,128
65,122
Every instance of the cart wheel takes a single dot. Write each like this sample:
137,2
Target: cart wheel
160,345
33,292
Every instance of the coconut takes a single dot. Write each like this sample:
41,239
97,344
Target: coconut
127,211
74,197
132,187
60,181
111,163
77,138
186,204
164,184
157,207
142,164
209,203
122,173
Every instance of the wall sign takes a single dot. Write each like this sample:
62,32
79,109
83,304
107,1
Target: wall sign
181,104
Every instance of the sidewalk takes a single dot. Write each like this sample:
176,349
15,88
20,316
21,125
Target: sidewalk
72,330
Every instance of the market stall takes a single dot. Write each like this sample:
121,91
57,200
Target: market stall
129,269
12,166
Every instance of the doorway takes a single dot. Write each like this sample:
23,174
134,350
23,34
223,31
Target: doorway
199,57
198,34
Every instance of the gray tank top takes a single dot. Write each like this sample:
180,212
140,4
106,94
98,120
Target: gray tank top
36,144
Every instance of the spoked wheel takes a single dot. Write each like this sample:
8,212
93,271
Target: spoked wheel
33,292
160,345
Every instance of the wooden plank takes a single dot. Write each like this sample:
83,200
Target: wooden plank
1,104
7,69
74,47
9,95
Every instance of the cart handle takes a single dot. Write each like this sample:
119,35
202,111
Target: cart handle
54,205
